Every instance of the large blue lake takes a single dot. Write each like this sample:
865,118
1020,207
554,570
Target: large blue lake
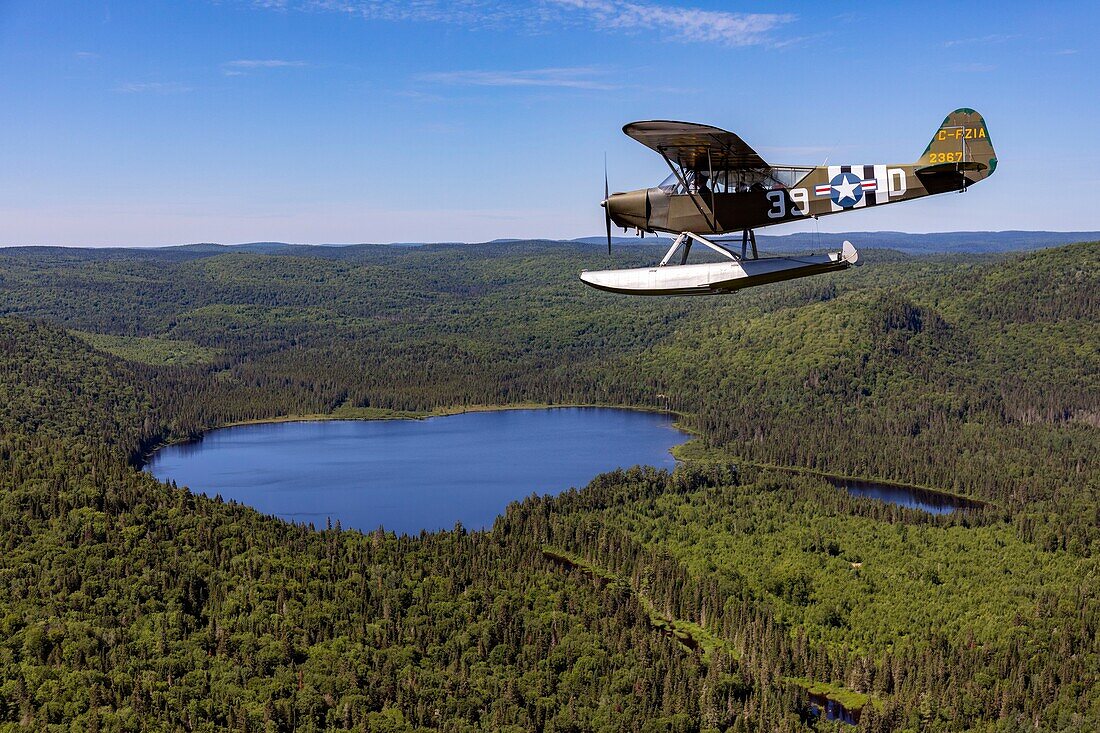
409,475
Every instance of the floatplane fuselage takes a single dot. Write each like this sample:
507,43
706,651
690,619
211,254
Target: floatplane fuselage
719,186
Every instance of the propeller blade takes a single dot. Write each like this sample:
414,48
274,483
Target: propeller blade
606,209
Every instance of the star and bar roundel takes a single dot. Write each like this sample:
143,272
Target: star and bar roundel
849,186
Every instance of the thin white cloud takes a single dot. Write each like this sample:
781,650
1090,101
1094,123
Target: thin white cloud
982,40
470,13
86,55
262,64
567,78
1065,52
685,24
975,67
152,87
670,21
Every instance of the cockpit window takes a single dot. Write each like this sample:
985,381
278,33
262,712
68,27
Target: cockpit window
696,181
788,177
735,181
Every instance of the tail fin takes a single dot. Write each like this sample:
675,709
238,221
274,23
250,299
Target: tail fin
963,142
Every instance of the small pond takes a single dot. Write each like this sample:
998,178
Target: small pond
833,710
910,497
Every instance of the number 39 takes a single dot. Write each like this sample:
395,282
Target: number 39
778,200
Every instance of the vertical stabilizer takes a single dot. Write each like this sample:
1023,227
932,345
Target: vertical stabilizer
962,144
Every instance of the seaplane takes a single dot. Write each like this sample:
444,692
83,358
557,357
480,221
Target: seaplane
719,186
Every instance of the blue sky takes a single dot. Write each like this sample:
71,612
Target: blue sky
151,123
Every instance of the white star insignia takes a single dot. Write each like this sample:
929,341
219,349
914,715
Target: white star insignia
847,189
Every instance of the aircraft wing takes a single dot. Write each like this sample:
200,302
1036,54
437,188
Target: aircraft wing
687,145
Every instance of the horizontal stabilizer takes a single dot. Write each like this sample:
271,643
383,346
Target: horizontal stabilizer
967,165
849,253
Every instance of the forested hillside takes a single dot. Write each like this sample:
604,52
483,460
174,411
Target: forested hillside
707,599
130,604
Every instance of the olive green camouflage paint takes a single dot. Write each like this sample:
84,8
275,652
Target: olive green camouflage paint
959,154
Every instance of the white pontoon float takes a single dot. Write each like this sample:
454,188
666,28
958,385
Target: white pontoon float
715,277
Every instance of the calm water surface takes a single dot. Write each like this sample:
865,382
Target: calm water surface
409,475
906,496
833,710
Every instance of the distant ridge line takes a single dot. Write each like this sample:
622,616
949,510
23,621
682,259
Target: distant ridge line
976,242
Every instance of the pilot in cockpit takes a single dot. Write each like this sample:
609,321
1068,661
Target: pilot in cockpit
700,184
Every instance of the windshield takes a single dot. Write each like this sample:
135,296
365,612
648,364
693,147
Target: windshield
673,185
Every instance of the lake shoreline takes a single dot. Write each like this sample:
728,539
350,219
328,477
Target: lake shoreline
683,453
412,476
370,414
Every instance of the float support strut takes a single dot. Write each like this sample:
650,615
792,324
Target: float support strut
686,239
748,237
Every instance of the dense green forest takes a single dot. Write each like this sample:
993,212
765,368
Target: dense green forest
711,598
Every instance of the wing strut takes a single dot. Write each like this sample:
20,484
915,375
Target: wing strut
695,199
710,174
